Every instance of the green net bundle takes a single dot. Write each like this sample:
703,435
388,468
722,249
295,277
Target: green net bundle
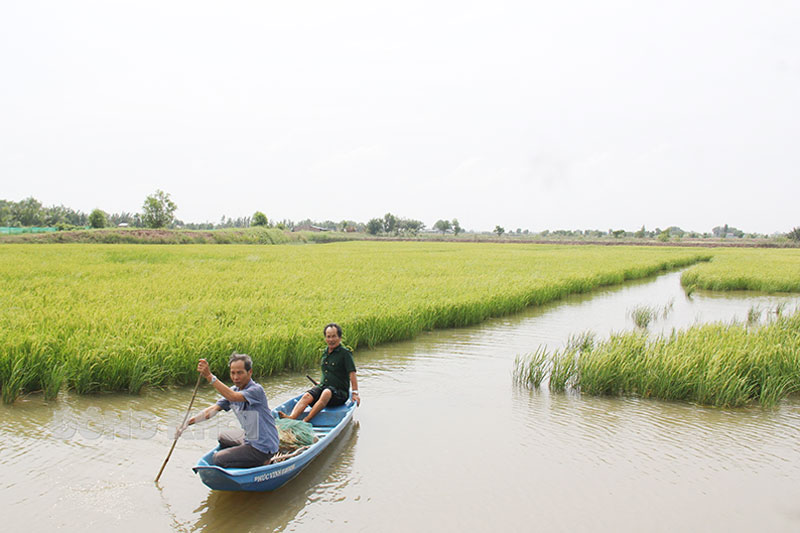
294,434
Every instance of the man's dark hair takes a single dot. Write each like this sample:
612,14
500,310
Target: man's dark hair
248,362
333,325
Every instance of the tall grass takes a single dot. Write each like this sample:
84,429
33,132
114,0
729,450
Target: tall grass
99,318
719,365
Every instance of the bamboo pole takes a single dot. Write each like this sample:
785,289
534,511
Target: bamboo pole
185,417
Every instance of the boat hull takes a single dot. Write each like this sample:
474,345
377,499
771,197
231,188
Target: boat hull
328,424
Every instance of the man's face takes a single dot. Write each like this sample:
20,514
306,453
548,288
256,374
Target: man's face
332,338
239,375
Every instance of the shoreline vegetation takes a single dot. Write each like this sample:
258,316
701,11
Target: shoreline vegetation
720,365
97,318
264,235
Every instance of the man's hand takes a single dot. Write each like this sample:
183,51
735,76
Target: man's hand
180,429
203,368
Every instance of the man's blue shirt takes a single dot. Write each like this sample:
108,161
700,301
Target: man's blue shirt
255,417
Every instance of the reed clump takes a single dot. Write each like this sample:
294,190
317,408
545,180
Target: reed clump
643,315
95,318
720,365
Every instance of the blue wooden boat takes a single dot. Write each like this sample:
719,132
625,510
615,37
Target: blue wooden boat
327,424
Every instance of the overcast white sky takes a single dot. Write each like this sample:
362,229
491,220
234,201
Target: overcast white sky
530,114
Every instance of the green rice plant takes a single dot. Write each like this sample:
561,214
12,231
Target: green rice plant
125,317
757,269
531,369
642,315
560,367
14,382
563,373
53,377
753,315
667,309
716,364
582,342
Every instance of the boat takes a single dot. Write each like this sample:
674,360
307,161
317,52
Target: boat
327,424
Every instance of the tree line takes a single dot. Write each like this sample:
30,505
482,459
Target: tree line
30,212
158,211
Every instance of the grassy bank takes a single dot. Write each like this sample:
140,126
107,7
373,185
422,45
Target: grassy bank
253,235
747,269
108,318
719,365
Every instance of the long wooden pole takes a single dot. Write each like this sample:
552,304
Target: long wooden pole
185,417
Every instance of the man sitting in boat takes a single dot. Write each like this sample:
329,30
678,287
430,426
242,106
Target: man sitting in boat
338,374
254,446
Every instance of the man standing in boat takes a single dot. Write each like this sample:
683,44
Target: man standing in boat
338,375
259,441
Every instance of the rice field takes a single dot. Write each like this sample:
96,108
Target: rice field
756,269
726,365
719,365
95,318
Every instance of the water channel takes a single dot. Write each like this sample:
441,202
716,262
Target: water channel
444,440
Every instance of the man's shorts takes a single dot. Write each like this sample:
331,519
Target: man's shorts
338,396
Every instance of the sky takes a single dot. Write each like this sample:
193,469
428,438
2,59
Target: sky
524,114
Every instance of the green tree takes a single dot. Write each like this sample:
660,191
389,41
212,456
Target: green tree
641,233
374,226
442,225
723,231
675,231
409,225
794,234
5,213
456,227
28,212
158,210
259,219
389,223
98,219
499,230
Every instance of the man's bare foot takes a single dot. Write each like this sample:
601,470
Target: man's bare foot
281,414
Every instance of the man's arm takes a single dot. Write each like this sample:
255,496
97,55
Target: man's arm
354,388
205,414
226,392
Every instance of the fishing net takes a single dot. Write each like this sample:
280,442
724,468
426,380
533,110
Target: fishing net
295,437
294,434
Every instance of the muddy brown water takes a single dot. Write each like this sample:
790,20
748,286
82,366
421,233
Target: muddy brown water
444,440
